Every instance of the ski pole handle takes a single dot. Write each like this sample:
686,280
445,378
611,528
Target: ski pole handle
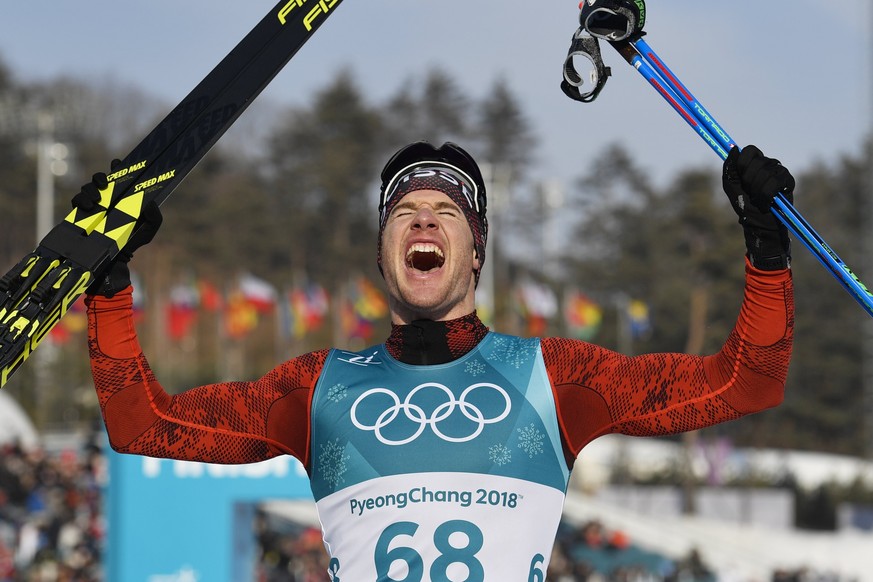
643,58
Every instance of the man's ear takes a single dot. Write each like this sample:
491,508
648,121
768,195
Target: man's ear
476,265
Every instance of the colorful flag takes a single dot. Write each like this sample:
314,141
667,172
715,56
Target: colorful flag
370,303
485,306
261,294
240,316
210,296
74,322
638,319
354,326
365,305
303,310
537,304
181,310
582,316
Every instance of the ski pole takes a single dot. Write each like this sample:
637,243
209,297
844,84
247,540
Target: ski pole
643,58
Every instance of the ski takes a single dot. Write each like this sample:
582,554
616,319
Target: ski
39,290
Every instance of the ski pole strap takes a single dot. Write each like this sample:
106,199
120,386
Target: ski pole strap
588,47
612,20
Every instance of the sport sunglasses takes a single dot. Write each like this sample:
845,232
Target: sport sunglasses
447,171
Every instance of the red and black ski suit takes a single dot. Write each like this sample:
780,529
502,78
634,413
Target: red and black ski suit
597,391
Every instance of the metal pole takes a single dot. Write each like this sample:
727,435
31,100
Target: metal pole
552,196
44,358
497,178
45,183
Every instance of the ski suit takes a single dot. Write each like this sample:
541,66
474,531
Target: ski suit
450,470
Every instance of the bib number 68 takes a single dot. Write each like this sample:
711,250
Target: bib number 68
449,554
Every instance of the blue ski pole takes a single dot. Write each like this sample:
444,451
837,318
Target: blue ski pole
644,59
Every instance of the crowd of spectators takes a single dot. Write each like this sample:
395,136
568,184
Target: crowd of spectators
592,553
51,525
289,555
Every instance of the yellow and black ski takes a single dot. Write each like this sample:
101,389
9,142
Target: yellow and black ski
39,290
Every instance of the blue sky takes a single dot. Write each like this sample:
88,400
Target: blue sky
792,76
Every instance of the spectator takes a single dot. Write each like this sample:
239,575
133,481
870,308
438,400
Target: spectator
50,516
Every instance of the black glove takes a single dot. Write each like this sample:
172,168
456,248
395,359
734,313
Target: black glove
751,181
116,276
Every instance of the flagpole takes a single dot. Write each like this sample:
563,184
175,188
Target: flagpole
623,331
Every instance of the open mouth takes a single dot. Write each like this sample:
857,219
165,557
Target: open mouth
425,257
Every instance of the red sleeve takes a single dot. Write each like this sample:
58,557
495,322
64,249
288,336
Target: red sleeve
599,391
233,422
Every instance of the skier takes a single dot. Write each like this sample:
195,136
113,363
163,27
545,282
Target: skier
445,452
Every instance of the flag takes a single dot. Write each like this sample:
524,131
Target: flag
638,319
252,298
303,310
74,322
354,326
181,310
537,304
240,316
365,305
259,293
210,296
369,302
315,305
582,316
485,307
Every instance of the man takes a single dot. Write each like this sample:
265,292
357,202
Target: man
444,453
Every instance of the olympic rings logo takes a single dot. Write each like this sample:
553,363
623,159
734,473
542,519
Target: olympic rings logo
416,414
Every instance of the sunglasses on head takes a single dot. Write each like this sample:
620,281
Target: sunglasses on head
449,159
432,169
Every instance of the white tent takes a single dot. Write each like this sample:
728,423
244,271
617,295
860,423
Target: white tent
15,425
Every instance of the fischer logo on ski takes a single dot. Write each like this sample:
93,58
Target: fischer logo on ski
321,7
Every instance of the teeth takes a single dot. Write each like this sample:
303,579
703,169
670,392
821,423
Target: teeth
424,257
424,248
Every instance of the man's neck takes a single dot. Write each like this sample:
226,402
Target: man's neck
425,342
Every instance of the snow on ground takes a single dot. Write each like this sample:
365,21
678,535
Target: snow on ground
650,455
739,553
742,552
